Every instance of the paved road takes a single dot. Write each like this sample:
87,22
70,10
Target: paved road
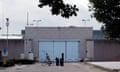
38,67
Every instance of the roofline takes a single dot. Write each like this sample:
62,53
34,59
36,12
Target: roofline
61,27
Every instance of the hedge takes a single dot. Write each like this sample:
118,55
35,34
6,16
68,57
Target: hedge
24,61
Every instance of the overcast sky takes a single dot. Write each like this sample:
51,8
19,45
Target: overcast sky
16,11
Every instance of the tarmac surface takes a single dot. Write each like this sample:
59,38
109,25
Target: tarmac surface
68,67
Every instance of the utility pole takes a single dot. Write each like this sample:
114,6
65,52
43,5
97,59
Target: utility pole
7,24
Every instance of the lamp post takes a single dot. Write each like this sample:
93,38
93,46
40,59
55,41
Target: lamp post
5,53
37,21
85,20
7,24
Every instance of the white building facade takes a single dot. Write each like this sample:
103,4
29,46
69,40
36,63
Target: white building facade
57,40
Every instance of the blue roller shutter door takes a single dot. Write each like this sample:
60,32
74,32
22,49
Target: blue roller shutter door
71,50
45,47
59,48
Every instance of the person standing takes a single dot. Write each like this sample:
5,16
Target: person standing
48,59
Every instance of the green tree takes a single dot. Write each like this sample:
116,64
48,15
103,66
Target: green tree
107,12
58,7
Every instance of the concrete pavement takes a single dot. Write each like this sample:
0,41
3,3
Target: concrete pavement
108,65
68,67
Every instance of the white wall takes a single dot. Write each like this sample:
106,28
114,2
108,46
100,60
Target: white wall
60,33
90,49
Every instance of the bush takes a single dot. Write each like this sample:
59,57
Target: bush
9,63
1,63
25,61
12,62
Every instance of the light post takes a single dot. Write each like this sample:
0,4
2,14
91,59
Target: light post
7,24
5,53
85,20
37,21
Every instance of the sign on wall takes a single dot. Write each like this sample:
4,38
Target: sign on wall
4,52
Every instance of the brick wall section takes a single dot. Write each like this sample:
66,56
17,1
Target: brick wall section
107,50
15,47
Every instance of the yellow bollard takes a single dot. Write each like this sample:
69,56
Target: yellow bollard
4,62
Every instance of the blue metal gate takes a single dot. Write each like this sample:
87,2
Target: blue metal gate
71,50
45,47
59,48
